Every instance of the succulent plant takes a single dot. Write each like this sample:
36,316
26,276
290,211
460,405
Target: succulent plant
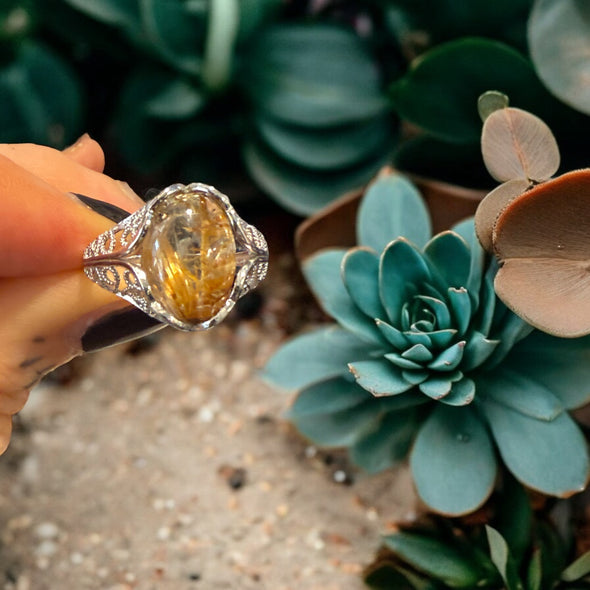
322,119
424,355
518,550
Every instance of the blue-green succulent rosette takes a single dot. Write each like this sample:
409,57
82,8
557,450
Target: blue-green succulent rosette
425,360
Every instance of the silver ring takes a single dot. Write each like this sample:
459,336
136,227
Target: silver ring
184,258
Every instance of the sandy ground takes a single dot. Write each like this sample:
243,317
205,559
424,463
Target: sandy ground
173,469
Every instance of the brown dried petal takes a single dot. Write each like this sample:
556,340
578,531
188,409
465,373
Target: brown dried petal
516,144
492,205
542,240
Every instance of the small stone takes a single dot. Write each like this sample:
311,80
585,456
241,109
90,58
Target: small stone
76,558
47,530
46,548
190,257
234,476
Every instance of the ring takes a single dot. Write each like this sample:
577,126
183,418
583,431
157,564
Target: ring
184,258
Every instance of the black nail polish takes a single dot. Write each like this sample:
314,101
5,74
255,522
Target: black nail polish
118,327
103,208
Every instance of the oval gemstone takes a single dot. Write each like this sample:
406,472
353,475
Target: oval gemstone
189,257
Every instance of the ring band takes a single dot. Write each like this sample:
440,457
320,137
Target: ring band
184,258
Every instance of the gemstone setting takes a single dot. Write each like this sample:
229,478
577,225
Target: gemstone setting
185,258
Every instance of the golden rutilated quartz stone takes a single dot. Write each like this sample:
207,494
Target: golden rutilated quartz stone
191,261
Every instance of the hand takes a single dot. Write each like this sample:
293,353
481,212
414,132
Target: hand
50,311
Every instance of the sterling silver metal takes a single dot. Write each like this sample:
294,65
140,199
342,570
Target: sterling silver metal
114,259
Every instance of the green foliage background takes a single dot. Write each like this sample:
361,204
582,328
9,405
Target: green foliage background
305,98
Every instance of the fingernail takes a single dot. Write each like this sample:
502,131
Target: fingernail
118,327
103,208
80,141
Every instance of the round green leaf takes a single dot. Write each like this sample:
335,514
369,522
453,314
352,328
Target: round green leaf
453,461
534,450
559,41
440,91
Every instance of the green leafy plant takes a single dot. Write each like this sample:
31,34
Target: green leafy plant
425,356
322,120
517,550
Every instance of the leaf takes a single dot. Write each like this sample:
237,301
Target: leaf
560,365
254,14
360,273
318,148
541,239
173,32
388,444
503,559
439,93
300,190
328,397
516,144
492,205
380,377
534,450
176,99
559,42
449,255
535,573
339,429
402,270
514,517
323,273
385,576
515,390
314,357
222,32
453,461
578,569
435,558
489,102
392,207
313,75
